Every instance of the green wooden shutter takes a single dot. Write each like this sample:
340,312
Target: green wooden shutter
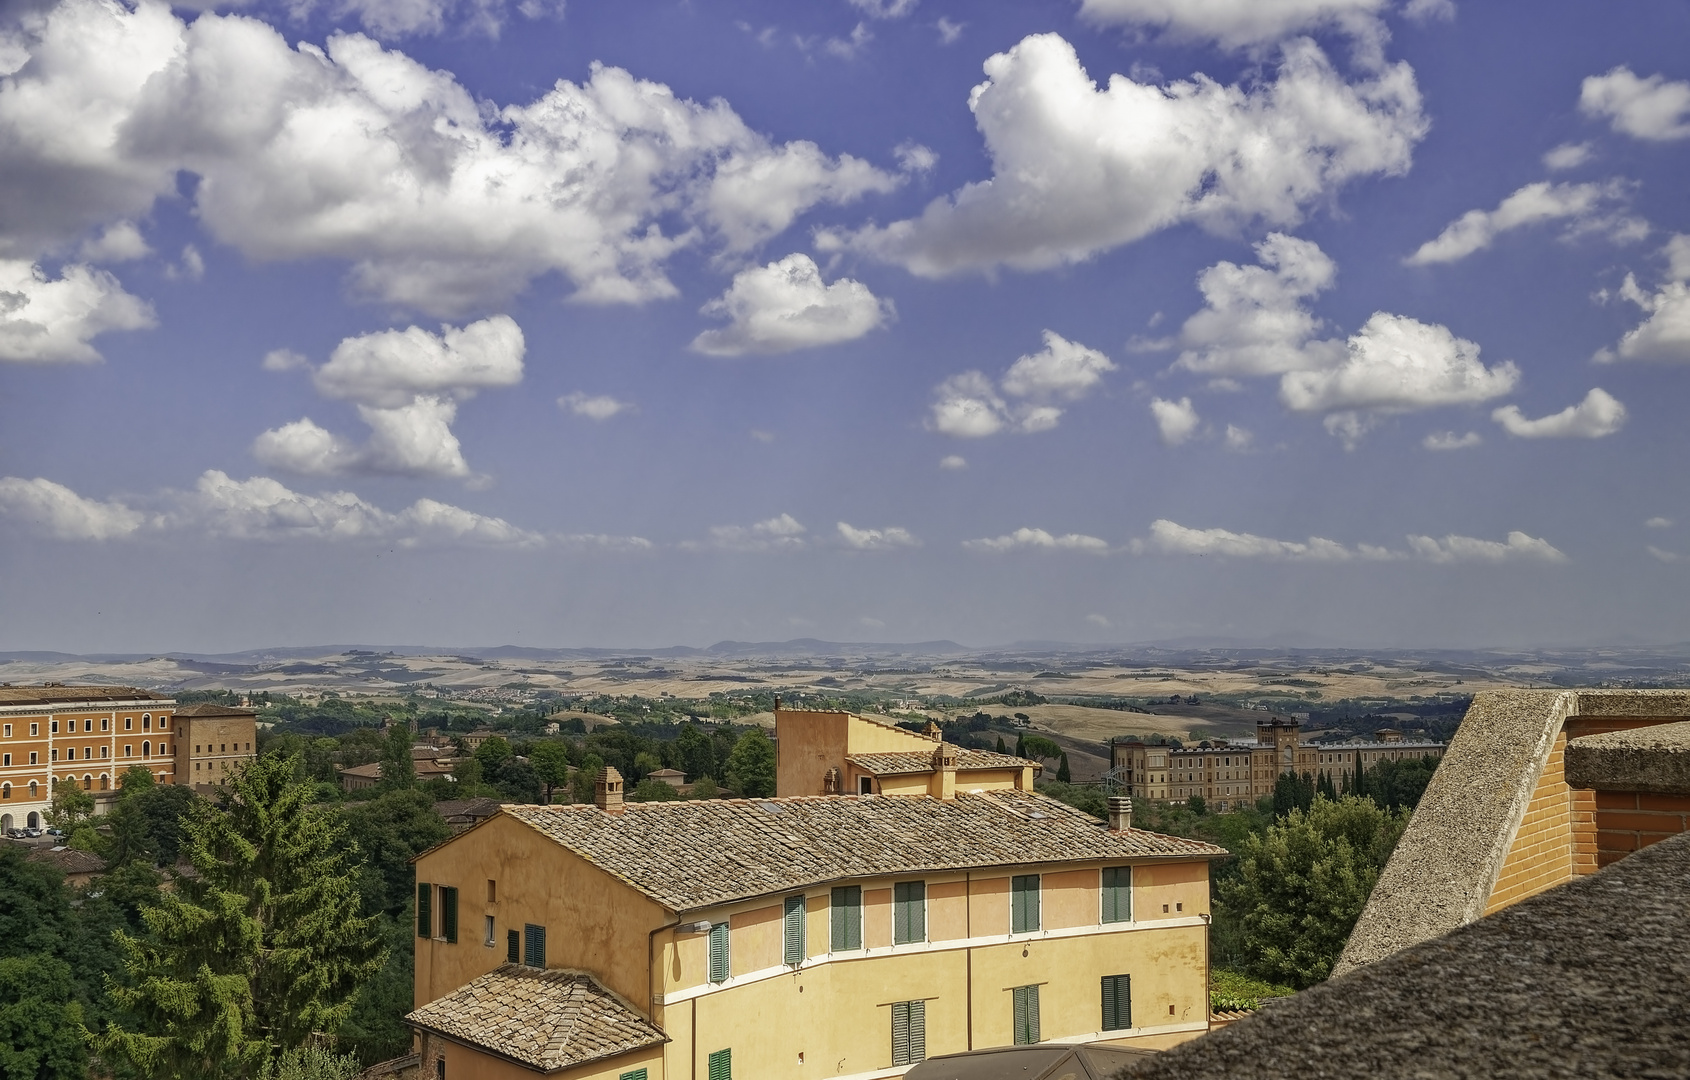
794,917
1117,1002
449,913
637,1074
909,912
425,914
916,1033
900,1033
1024,904
1020,1015
1026,1015
513,947
1117,894
719,953
534,945
847,918
721,1065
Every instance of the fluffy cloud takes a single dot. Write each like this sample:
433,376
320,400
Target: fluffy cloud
596,407
407,385
1396,364
1078,170
780,533
786,305
1255,320
970,406
120,242
885,9
1568,156
1598,415
876,539
1582,205
1176,420
1231,23
1651,108
953,461
255,509
1169,538
59,512
1665,335
1449,440
1040,540
1658,523
1452,549
51,320
360,153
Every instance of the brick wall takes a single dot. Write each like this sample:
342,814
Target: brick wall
1628,820
1542,854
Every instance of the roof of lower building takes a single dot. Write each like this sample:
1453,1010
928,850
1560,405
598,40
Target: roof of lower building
60,694
1586,979
696,854
205,710
920,761
547,1020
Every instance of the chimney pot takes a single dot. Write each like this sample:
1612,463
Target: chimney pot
607,792
1120,813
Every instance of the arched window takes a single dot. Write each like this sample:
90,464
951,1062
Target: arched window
146,721
5,791
87,781
146,749
105,782
34,792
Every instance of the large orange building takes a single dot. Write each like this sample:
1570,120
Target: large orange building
84,735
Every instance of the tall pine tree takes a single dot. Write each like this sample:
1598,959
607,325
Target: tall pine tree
256,952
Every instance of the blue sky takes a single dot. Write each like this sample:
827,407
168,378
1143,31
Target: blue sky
477,321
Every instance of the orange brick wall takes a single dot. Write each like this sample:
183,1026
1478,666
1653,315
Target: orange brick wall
1628,820
1543,852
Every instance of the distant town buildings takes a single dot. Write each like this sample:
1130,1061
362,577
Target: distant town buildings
1228,775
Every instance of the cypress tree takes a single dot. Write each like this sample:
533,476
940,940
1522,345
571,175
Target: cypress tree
1001,748
258,950
1020,746
1062,772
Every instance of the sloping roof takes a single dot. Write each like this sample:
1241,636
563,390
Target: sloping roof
59,694
1044,1061
69,860
689,855
206,709
476,808
920,761
547,1020
1584,980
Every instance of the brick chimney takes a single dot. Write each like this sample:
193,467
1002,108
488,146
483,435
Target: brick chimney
607,793
942,785
1120,813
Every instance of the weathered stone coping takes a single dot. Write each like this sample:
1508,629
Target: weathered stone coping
1653,759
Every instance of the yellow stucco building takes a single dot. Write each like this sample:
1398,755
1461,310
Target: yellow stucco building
805,936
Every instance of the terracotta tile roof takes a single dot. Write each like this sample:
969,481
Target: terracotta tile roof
60,694
547,1020
695,854
69,860
207,709
918,761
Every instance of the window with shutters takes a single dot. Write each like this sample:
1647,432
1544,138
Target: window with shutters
847,918
909,912
425,913
1117,894
513,947
909,1032
449,914
1117,1002
1024,904
490,934
534,945
721,1065
793,919
719,959
637,1074
1026,1015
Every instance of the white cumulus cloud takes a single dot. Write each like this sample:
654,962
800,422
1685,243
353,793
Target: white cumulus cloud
121,241
1585,206
1232,23
1651,108
1453,549
1079,170
785,306
953,461
407,385
1568,156
1597,416
1170,538
876,539
1176,420
593,406
59,512
1663,336
1039,540
351,151
1449,440
52,320
779,533
1255,320
970,406
1658,523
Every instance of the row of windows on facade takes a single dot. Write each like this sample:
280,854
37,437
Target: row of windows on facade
87,785
88,753
88,725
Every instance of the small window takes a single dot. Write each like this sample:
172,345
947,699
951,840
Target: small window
34,757
70,753
1024,905
534,946
492,891
128,750
53,754
35,729
719,959
793,919
34,789
8,760
8,731
5,791
54,727
1117,894
637,1074
425,909
449,914
1026,1015
105,723
128,723
490,937
196,748
721,1065
1117,1002
847,918
146,721
105,751
865,785
513,947
909,1032
88,724
909,913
